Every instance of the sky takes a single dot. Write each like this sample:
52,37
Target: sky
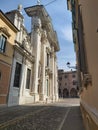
62,23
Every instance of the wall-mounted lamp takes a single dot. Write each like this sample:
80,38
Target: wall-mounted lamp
72,67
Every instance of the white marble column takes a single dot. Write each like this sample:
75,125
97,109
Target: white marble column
36,38
52,80
56,81
43,74
44,41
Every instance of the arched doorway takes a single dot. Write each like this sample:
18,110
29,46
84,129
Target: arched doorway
73,92
65,93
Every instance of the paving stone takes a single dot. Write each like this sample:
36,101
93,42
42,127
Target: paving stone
43,117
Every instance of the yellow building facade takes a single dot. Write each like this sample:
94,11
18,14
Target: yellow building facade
7,36
85,38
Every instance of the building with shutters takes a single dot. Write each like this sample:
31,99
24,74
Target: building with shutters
85,37
7,41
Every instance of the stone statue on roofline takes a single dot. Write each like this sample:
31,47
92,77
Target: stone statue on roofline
38,2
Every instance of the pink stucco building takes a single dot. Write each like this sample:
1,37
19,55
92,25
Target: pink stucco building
68,83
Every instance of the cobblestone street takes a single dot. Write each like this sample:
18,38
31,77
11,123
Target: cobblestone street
64,115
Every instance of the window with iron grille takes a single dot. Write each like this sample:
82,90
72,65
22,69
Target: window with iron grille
17,75
28,79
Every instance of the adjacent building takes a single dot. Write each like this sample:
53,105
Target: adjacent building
85,37
7,41
68,84
30,60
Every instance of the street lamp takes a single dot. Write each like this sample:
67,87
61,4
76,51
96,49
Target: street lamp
73,67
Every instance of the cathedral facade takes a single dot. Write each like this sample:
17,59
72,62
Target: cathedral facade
34,76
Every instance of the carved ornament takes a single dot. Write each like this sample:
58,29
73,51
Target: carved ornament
5,31
26,44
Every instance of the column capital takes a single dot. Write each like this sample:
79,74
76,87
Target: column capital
36,24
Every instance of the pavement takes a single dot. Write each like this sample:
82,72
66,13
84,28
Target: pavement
62,115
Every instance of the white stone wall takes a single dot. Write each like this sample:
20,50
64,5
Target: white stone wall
21,95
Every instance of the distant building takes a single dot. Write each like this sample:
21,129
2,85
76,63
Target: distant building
85,37
7,41
68,84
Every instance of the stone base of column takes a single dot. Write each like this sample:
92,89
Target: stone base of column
41,97
36,97
45,98
56,97
53,98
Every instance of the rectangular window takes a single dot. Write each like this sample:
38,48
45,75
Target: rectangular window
74,82
47,87
66,76
73,75
47,59
28,79
17,75
60,78
3,40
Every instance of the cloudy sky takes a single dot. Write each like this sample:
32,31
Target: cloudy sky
61,19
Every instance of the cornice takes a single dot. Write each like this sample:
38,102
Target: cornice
24,52
8,22
46,23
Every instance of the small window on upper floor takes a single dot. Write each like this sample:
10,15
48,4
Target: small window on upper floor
73,75
74,82
60,78
3,41
65,84
66,76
